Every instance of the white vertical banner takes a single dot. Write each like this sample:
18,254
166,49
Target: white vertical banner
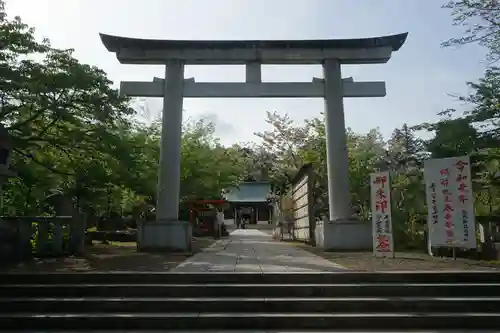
380,186
450,202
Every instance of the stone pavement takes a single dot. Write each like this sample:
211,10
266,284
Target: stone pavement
250,250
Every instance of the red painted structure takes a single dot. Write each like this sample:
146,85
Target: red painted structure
202,216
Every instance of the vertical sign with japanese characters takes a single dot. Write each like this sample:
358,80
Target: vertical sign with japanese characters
451,218
383,245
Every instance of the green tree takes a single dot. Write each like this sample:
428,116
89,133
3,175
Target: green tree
282,144
481,20
73,133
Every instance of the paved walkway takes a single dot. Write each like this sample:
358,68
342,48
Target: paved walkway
251,250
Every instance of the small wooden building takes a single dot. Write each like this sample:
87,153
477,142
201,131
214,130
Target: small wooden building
250,199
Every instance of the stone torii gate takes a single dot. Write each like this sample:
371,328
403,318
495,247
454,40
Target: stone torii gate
168,232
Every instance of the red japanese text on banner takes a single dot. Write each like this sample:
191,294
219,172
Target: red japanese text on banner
383,244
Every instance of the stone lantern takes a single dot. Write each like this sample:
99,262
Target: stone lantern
5,153
7,235
5,157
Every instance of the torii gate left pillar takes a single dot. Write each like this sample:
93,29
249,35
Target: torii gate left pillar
169,172
342,232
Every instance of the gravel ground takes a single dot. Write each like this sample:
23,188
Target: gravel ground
110,257
365,261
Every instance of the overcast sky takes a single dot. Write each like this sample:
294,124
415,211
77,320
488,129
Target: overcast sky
419,77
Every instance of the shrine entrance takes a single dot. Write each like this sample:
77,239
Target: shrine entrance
331,54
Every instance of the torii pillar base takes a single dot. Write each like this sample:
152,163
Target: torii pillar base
164,236
345,235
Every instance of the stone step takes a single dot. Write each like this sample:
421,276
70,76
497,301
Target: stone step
256,321
222,301
275,331
253,290
236,277
250,305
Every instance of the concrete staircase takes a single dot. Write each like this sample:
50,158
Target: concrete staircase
399,301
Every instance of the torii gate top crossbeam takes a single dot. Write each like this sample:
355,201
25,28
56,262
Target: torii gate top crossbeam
347,51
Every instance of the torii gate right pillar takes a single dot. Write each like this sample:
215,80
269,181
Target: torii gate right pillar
339,199
341,231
